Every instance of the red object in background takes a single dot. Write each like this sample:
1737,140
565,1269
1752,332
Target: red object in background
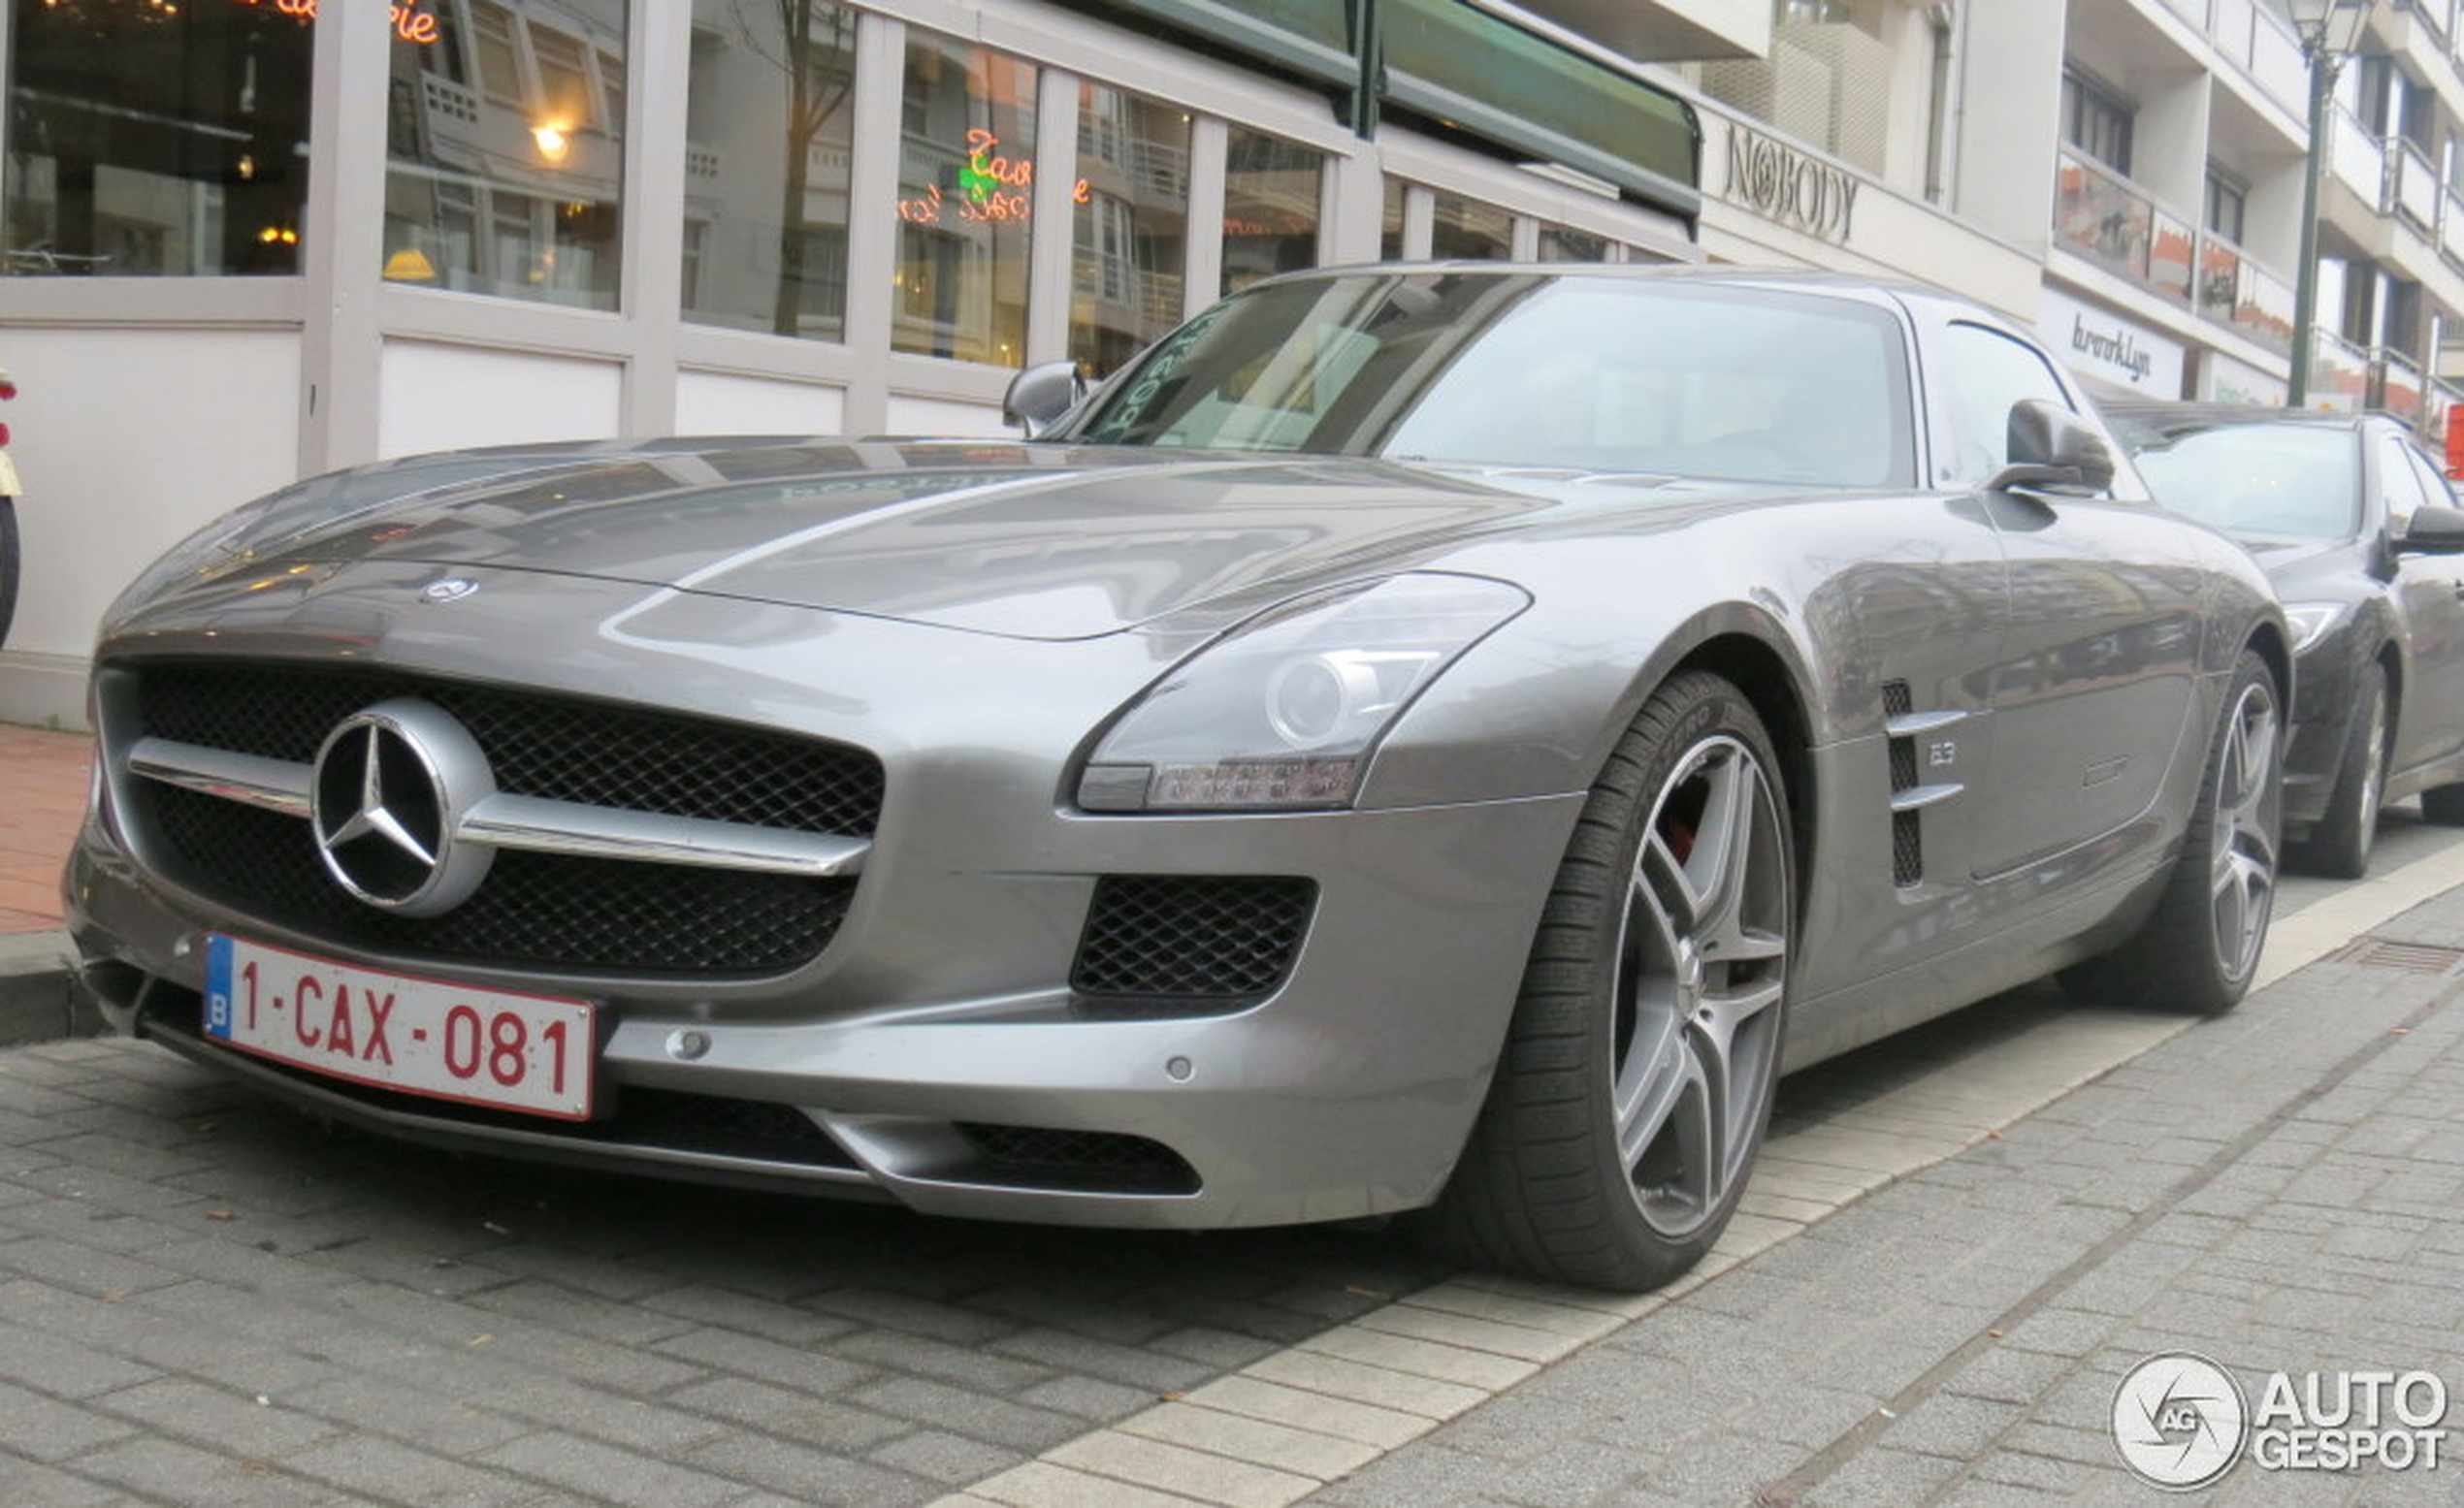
2455,442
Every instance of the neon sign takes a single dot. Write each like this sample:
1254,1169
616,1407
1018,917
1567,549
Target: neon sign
411,24
991,188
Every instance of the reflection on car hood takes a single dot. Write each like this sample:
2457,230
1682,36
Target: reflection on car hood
1035,541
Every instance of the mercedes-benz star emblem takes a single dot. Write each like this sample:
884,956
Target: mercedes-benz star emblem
453,588
393,783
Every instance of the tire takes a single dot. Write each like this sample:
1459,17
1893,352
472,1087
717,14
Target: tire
9,552
1638,1071
2340,847
2199,949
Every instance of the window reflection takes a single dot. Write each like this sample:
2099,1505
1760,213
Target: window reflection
1467,230
1565,243
1269,208
155,139
769,134
1391,222
1132,225
966,174
506,139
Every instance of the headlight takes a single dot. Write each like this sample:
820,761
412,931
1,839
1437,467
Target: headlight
2311,620
1281,712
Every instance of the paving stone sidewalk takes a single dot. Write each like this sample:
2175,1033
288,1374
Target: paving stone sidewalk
2282,1190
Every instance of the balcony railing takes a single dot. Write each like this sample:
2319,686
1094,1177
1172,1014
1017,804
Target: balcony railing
2413,183
2339,374
2110,221
2396,385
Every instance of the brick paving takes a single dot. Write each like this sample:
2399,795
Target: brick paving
42,779
209,1299
2282,1190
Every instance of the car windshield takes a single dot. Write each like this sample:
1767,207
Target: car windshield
1590,372
2259,483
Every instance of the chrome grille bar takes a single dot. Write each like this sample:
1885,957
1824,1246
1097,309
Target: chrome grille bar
511,822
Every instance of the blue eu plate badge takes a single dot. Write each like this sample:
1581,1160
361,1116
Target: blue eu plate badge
218,986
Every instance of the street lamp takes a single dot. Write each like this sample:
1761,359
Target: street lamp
2329,31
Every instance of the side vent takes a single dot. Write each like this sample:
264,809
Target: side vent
1907,836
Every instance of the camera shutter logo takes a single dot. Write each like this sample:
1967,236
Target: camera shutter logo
2180,1420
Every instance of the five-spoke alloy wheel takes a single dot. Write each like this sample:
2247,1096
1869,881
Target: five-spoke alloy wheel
1637,1072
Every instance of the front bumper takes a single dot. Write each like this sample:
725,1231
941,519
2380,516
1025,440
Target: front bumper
938,1036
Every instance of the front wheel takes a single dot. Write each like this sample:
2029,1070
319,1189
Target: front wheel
1638,1067
2199,949
2340,848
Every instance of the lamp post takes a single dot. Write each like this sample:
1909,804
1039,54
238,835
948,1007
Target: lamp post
2329,31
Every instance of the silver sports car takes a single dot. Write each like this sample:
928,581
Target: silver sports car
1433,739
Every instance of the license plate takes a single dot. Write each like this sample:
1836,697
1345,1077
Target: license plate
504,1050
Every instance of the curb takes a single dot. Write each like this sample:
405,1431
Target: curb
38,1003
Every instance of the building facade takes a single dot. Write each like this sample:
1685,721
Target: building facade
248,240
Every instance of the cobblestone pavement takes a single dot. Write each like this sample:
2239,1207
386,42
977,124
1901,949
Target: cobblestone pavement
205,1298
2282,1190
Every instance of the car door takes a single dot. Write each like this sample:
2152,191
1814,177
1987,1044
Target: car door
2094,680
2429,590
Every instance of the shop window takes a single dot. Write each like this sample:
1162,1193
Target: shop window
1271,195
529,154
1465,230
156,141
768,137
1131,246
967,175
1565,243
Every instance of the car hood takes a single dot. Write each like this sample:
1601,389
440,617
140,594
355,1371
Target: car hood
1024,540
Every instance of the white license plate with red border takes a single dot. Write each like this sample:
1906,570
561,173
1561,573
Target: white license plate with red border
498,1048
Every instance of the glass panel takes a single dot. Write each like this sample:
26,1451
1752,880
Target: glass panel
768,134
156,140
2099,218
1469,231
504,125
1565,243
1390,223
966,174
1269,208
1132,225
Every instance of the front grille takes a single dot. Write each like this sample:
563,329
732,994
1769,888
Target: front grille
563,749
1208,939
541,911
1107,1161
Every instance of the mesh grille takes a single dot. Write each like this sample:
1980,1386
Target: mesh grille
1106,1160
1896,702
1907,848
1191,938
563,749
534,909
1904,764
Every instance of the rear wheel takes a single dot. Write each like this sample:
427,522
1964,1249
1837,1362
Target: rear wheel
2340,848
1638,1067
8,565
2199,949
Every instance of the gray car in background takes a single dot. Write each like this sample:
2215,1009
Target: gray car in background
1434,738
2360,534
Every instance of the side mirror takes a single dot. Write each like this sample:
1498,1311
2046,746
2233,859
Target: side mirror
2433,529
2051,447
1039,395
